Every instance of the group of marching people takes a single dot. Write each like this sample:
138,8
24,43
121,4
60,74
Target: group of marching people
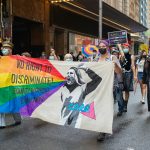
126,71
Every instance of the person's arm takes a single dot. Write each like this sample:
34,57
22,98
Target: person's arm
55,57
145,74
136,67
133,67
53,53
118,70
121,51
116,62
95,80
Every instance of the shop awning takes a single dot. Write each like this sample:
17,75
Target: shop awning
111,16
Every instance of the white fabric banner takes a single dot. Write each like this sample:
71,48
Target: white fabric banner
85,100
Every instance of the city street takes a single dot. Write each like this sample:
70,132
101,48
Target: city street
131,132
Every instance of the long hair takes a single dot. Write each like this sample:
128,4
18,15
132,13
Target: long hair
78,76
141,55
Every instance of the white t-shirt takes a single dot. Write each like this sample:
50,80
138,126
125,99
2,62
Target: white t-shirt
140,65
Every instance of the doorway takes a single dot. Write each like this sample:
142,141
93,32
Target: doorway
27,36
59,41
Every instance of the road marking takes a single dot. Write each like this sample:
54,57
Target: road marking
129,148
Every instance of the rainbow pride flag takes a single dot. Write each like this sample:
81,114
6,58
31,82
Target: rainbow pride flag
25,83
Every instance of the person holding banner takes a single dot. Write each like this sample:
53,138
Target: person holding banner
129,72
105,56
7,51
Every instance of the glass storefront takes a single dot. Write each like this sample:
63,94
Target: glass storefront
76,42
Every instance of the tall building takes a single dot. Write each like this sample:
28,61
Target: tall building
131,9
143,18
143,12
128,7
148,14
134,9
116,4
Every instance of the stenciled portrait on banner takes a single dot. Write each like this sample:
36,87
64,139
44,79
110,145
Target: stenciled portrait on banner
74,93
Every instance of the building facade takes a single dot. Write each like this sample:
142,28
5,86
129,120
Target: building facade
38,25
128,7
131,9
148,14
143,12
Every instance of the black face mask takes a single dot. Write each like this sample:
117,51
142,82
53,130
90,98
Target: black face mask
144,56
102,51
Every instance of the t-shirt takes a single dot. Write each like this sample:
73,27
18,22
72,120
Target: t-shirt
117,77
140,65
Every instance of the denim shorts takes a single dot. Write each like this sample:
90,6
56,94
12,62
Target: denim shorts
128,81
140,76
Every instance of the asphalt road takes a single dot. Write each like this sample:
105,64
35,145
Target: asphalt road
131,132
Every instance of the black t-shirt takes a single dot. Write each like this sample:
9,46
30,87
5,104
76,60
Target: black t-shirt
126,64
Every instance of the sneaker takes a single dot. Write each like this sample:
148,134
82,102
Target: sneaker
125,109
119,114
2,127
143,101
16,123
101,137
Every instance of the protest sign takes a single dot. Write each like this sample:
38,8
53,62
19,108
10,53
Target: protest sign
117,37
73,94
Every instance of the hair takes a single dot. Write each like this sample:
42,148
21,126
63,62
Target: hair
26,54
104,42
94,50
142,52
79,79
68,56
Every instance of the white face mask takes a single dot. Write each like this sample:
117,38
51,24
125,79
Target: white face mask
68,59
126,50
94,54
51,58
5,51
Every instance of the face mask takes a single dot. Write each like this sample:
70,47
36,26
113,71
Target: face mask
94,54
5,52
51,58
144,56
103,51
43,54
68,59
126,50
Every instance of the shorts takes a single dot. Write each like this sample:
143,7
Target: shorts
128,81
140,76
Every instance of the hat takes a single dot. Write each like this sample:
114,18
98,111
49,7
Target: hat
115,50
7,44
126,44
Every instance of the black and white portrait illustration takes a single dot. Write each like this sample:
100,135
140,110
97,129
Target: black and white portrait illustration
74,93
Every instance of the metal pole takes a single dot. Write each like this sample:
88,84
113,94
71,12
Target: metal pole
100,19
